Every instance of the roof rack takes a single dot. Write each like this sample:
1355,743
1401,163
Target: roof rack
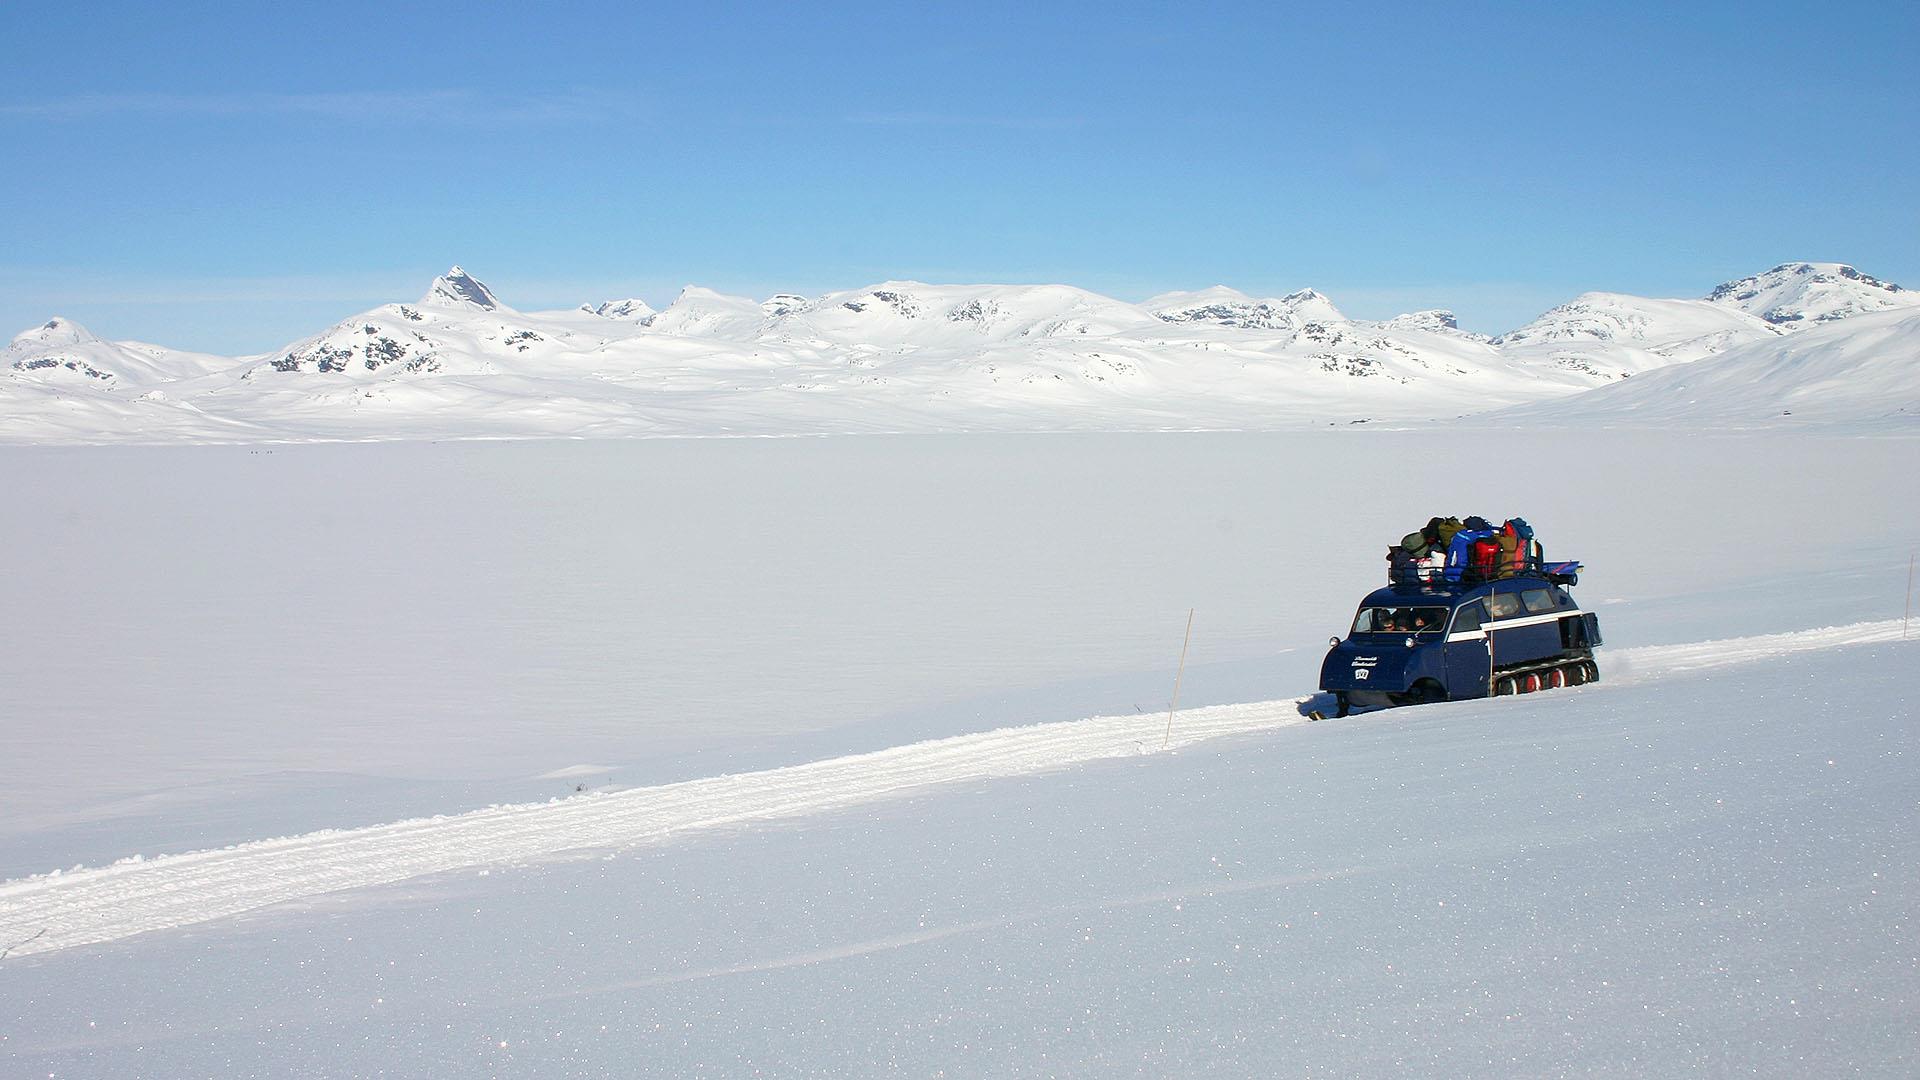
1563,573
1435,580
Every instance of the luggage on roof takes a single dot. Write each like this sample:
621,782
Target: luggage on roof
1441,557
1443,531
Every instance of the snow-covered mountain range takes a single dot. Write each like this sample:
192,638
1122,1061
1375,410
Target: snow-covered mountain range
908,356
1863,371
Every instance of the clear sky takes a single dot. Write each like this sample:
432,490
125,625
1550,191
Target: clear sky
233,177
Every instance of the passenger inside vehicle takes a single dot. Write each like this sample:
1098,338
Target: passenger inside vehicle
1408,620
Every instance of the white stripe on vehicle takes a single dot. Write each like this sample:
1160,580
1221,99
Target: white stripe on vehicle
1511,624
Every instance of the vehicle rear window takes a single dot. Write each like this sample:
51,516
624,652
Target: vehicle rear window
1537,600
1468,617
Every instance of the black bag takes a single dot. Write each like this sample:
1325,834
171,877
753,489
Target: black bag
1400,567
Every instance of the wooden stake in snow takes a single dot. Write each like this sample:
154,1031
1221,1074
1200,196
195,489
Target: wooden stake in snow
1177,675
1909,596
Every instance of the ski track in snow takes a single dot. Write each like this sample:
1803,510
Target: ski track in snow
1628,666
90,906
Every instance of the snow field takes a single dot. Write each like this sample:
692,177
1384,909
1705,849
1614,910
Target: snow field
384,632
1685,869
1711,872
88,906
1654,662
85,907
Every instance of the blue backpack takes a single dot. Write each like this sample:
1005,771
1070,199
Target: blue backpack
1460,552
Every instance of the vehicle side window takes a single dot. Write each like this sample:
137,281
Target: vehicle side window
1537,600
1468,617
1504,605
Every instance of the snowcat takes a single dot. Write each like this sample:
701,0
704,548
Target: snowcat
1437,639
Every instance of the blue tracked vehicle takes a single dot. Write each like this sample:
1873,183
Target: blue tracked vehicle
1427,641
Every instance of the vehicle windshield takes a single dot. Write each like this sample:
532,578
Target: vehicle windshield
1400,620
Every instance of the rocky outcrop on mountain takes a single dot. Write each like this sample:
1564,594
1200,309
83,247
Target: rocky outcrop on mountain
1436,321
914,314
785,304
459,328
632,310
1222,306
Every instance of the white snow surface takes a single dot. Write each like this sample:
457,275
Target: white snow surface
846,813
89,906
898,356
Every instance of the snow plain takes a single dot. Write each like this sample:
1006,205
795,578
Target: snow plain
1689,869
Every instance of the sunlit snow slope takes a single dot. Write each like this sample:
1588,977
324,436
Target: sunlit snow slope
1862,374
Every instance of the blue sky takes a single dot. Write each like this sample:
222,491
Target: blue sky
232,177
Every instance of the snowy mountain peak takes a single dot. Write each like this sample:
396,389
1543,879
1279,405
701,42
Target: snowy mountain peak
1796,295
703,311
55,331
1312,305
785,304
1212,294
890,297
1653,332
696,294
1435,321
630,309
457,288
1230,307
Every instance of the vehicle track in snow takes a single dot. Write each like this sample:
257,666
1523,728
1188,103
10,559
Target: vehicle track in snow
90,906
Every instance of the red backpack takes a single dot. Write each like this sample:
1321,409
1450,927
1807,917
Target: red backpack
1484,558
